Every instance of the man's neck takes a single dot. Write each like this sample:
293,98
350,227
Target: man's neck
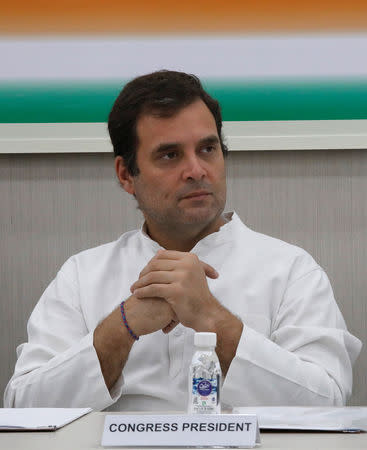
184,239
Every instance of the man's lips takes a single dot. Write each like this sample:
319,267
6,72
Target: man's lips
197,194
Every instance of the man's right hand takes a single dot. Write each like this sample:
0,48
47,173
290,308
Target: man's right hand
112,340
149,315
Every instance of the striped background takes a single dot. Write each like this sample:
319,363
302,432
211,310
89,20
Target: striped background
67,62
309,77
146,16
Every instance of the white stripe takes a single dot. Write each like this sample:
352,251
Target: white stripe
240,136
226,56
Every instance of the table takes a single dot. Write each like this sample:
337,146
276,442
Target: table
86,433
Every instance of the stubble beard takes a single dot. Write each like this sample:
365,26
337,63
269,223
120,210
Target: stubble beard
179,219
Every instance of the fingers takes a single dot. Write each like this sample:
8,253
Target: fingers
156,265
169,254
167,260
209,270
153,290
174,255
161,273
158,277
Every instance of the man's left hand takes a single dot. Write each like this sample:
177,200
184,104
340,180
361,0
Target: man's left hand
180,278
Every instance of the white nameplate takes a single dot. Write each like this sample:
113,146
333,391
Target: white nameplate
224,430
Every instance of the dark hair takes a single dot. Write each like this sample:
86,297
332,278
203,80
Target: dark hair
163,93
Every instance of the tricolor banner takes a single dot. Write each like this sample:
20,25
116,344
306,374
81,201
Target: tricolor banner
267,64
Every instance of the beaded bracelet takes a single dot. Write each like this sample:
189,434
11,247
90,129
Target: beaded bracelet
125,322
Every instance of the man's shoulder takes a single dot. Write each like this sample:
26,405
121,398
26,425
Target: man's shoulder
108,247
273,249
273,243
102,254
261,241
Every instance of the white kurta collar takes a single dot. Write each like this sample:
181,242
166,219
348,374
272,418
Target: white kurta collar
225,233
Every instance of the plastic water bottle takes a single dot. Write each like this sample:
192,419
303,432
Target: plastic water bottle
205,376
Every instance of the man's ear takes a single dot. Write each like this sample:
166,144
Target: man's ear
126,180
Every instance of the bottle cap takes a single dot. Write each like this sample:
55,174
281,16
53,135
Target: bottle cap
205,339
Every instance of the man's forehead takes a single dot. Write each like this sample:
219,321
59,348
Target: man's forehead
194,120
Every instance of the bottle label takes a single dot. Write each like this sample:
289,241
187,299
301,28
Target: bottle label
204,388
204,394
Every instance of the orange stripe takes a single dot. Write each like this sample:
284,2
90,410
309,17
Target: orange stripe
147,16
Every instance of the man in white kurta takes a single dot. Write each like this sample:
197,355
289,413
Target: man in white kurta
294,348
281,337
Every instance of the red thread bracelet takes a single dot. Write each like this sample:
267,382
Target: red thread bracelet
125,322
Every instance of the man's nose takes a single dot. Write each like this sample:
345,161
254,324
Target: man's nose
193,168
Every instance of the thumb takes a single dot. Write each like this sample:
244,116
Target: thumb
209,270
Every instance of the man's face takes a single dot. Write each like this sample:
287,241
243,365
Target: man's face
182,172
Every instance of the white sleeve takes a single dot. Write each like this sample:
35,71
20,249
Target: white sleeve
58,366
307,361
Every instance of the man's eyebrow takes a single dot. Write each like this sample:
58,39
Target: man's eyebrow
167,146
170,146
212,139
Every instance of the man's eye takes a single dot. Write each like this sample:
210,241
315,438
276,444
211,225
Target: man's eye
208,149
169,155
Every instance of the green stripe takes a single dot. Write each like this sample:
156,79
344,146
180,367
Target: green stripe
240,101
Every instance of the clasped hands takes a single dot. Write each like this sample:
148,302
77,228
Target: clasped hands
172,288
